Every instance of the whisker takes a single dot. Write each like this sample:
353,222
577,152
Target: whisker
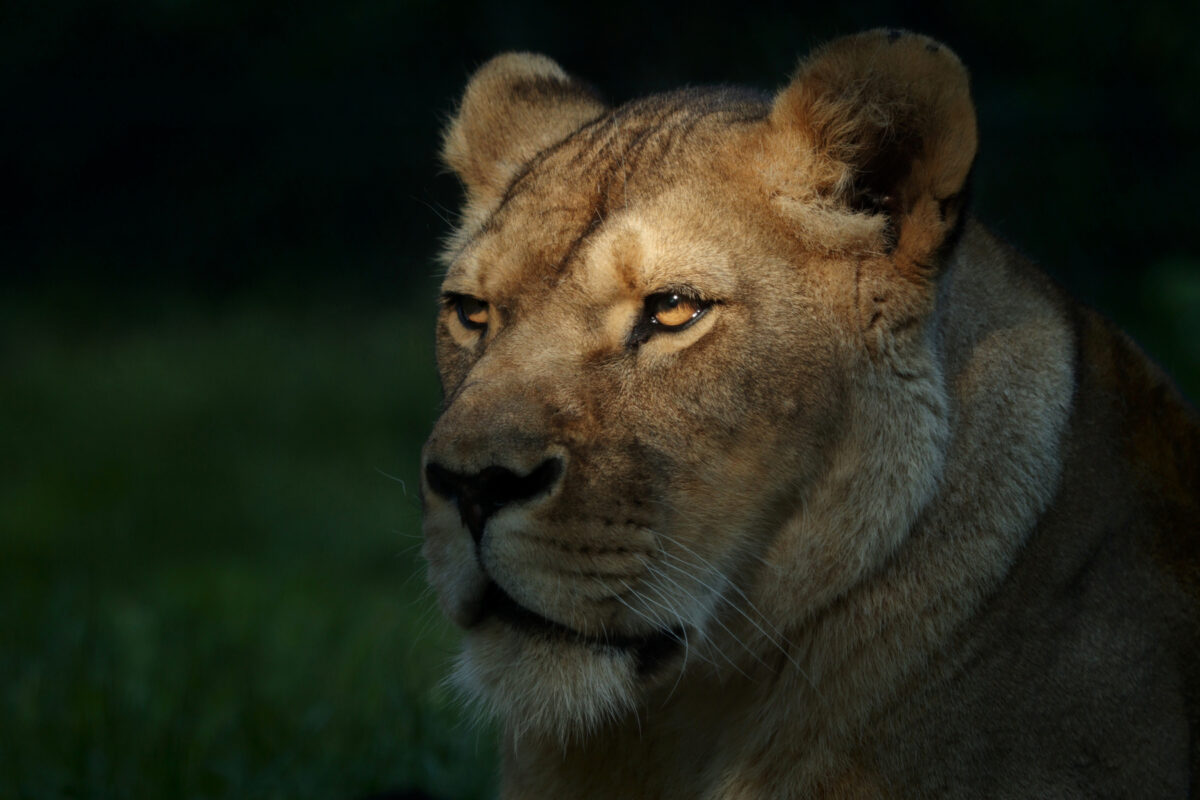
683,626
403,535
686,643
718,621
411,575
403,484
779,640
427,620
656,623
729,584
438,212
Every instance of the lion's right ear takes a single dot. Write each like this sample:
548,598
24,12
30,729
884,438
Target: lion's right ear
886,121
514,106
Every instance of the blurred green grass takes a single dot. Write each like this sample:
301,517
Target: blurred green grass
1164,318
210,580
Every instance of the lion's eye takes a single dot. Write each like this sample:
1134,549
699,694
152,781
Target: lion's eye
472,312
667,312
672,311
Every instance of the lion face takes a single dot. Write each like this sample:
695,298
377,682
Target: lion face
610,455
646,373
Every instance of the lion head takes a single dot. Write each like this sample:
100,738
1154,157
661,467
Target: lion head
689,391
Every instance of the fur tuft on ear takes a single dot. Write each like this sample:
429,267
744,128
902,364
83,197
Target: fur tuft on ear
514,106
888,124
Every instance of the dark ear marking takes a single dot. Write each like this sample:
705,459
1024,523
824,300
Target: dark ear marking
543,89
891,113
886,170
954,208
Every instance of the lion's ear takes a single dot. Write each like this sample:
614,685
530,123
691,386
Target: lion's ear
888,116
514,106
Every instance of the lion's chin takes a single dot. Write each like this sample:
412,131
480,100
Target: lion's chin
547,681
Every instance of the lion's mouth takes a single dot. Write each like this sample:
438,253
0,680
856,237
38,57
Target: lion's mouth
650,650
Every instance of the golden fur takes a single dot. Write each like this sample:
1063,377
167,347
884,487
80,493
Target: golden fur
892,517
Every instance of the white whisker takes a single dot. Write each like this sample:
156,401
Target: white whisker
656,622
778,640
718,621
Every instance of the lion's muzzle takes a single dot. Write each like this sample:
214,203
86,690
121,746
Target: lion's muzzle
481,494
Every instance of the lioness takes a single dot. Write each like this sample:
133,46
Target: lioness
766,471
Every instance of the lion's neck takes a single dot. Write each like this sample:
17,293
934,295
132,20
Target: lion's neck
975,432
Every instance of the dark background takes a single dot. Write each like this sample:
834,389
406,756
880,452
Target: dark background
214,147
217,228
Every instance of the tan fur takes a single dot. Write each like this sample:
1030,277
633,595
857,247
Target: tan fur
891,518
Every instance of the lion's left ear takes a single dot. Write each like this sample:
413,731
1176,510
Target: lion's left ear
888,120
514,106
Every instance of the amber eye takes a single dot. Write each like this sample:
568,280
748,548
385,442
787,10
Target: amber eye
672,311
472,312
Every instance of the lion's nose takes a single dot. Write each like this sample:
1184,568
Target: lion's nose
482,494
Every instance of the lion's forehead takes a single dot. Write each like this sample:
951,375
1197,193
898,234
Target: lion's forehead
602,202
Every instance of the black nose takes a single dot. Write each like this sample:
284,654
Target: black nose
483,493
